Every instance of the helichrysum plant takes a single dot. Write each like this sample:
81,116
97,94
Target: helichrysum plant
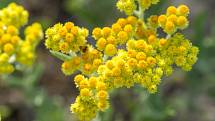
129,52
14,50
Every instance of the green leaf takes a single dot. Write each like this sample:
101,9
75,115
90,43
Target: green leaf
62,56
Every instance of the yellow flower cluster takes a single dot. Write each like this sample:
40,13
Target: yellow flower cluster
116,72
93,97
108,38
14,50
145,4
129,52
66,38
127,6
87,61
178,50
26,52
175,18
14,15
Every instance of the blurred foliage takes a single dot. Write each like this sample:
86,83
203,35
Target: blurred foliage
92,12
45,108
4,3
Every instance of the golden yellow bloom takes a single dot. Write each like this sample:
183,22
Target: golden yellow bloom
103,105
123,36
8,48
173,18
141,56
132,20
169,27
84,84
171,10
127,6
111,40
106,31
122,22
101,86
102,95
128,28
132,62
162,19
152,39
101,43
116,28
110,50
183,10
142,64
182,22
85,92
92,82
163,41
78,79
151,61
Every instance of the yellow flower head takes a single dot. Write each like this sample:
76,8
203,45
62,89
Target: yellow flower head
14,15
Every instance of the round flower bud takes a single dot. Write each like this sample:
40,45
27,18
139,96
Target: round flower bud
110,50
162,19
171,10
183,10
182,22
85,92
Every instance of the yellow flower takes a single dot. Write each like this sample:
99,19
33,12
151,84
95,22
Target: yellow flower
183,10
132,62
101,44
128,28
106,31
78,79
142,64
172,18
102,95
162,19
116,28
171,10
8,48
169,27
85,92
182,22
123,37
103,105
97,33
110,50
152,39
141,56
92,82
101,86
127,6
151,61
132,20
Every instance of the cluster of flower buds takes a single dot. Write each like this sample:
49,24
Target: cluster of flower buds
129,52
15,50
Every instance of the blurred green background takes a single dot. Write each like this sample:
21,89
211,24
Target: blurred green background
45,94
